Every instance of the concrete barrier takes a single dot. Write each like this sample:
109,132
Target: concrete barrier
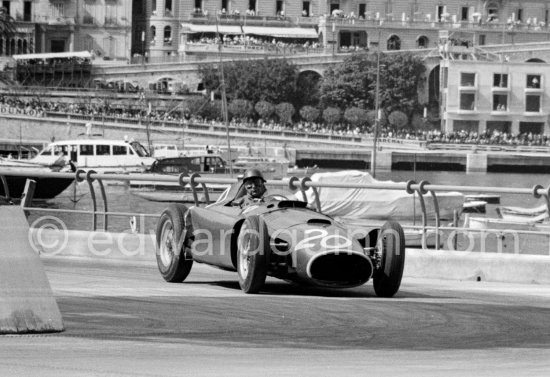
26,299
443,264
461,265
99,244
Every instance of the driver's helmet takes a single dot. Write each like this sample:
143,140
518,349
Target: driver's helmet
253,173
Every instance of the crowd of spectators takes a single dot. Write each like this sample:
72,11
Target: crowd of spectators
247,40
493,137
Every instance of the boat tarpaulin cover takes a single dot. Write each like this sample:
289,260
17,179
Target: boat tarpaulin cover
376,204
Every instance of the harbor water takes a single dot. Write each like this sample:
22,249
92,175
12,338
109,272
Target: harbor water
120,199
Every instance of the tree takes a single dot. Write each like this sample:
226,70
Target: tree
7,25
196,104
240,108
264,109
285,111
332,115
272,80
401,79
356,116
308,89
398,119
353,83
309,113
7,32
371,118
347,85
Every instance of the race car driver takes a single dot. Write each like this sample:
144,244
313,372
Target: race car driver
254,184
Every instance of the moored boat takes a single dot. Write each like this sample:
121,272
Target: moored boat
46,187
101,155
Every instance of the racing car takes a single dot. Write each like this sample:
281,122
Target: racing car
280,237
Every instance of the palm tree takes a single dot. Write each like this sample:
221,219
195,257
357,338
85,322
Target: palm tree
7,24
7,32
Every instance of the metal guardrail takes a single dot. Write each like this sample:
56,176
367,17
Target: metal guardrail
198,186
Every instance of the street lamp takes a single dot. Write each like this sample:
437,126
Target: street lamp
377,110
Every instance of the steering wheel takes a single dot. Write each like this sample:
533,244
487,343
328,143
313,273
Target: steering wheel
275,197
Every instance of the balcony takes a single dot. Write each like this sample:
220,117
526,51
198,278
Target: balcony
111,21
88,20
55,20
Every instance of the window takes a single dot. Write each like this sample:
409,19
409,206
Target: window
103,150
467,79
422,41
252,5
153,34
167,35
492,10
500,80
168,4
154,6
482,39
120,150
532,103
464,16
27,11
279,7
306,6
500,102
394,43
86,150
467,101
466,125
224,6
389,9
198,4
520,14
546,18
363,10
57,10
533,81
6,5
441,12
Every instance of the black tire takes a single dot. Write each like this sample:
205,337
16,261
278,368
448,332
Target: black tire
173,262
391,245
254,241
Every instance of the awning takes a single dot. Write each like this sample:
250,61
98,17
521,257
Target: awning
223,29
281,32
54,55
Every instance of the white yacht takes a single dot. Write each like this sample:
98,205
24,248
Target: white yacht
101,155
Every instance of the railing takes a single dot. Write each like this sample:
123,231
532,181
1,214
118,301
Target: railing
424,191
422,21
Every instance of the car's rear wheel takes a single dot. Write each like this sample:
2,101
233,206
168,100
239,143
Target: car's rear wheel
252,246
173,262
391,248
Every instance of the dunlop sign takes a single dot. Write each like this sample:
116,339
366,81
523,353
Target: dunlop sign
17,110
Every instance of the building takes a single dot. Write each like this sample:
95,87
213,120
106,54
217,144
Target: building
346,24
160,28
498,95
99,26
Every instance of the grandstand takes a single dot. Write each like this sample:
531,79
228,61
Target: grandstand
65,69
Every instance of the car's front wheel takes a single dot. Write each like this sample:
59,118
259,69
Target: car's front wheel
252,246
173,262
391,249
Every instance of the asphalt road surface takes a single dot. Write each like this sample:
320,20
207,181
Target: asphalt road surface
123,320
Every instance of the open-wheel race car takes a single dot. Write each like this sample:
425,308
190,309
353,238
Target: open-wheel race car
279,237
